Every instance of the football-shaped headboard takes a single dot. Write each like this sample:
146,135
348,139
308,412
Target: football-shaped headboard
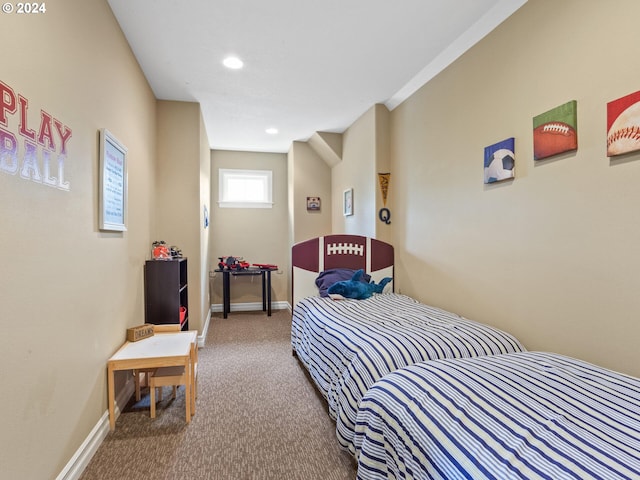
313,256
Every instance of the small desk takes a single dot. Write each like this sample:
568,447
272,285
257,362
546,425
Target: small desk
226,287
160,350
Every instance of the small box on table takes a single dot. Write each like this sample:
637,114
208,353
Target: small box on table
138,333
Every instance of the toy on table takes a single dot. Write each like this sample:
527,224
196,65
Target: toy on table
232,263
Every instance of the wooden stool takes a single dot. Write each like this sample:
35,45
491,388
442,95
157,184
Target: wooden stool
166,376
174,376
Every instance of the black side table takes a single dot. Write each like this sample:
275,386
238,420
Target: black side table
226,286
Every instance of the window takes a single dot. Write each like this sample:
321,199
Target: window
244,188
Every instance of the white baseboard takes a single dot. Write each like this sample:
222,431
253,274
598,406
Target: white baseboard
205,329
250,306
79,461
89,447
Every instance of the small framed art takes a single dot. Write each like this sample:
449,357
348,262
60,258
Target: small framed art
313,204
113,183
347,202
555,131
623,125
499,161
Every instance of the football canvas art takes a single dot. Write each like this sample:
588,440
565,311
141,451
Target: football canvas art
499,161
555,131
623,125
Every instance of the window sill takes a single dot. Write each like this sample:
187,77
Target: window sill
245,204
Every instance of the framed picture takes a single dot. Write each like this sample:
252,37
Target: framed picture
555,131
623,125
313,204
113,183
347,202
499,161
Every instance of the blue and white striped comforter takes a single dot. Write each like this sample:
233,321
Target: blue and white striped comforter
528,415
347,345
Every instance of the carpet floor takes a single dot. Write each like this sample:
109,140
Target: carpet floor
258,416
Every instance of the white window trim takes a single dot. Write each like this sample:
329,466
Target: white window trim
226,173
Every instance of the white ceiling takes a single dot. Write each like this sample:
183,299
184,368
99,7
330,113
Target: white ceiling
308,65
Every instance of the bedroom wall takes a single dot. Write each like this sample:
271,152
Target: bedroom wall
309,176
182,151
384,230
357,171
205,254
68,291
365,153
259,235
551,256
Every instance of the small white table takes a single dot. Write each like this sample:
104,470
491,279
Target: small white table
160,350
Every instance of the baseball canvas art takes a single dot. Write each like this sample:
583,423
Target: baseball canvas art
555,131
623,125
499,161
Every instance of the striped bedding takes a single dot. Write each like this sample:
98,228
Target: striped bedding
347,345
529,415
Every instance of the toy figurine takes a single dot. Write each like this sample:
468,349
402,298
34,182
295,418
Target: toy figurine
232,263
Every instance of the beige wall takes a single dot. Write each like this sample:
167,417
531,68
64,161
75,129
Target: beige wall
310,176
384,231
259,235
182,186
551,256
68,291
365,153
357,171
205,261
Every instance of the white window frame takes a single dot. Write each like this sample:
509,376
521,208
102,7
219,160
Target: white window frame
227,174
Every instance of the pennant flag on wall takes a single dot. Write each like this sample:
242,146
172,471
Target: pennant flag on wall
384,178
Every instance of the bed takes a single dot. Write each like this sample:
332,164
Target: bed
347,345
527,415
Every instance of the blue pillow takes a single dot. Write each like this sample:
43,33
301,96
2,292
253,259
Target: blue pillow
334,275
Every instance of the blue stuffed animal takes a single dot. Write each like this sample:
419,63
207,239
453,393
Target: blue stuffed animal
356,288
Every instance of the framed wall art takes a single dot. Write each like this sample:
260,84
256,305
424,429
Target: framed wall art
347,202
623,125
555,131
499,161
113,183
313,204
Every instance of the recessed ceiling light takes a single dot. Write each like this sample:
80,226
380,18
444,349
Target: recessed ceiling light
233,62
272,131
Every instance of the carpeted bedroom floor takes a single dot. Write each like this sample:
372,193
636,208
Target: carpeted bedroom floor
258,416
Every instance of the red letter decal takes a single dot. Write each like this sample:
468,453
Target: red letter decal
45,131
64,135
7,102
25,131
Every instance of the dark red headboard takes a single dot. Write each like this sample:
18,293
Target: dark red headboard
311,257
